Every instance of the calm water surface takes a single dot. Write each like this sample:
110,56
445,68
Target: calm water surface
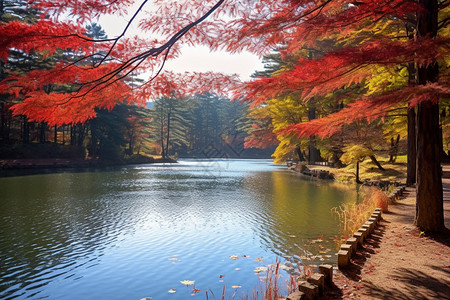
138,231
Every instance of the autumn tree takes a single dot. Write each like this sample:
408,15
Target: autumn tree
373,36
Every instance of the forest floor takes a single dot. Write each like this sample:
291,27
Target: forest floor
398,261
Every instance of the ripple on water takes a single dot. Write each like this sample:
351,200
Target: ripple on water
138,231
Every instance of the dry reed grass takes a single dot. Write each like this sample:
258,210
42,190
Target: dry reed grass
354,215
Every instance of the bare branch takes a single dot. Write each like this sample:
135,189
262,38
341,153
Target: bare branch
123,32
133,63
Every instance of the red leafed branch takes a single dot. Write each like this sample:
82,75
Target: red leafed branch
343,67
43,36
367,108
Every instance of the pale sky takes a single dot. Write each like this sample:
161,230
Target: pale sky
191,59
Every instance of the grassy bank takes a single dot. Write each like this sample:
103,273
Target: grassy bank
394,172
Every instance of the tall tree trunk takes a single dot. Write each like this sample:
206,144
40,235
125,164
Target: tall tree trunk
429,205
376,162
3,122
393,152
168,135
25,131
357,172
81,134
444,155
314,154
412,151
42,129
299,153
63,134
163,153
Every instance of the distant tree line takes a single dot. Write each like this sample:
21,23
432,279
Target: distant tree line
204,125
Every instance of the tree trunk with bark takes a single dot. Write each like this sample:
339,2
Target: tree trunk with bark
357,172
429,205
42,131
314,153
393,152
376,162
412,152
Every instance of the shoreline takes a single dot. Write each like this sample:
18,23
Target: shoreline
399,261
329,173
25,166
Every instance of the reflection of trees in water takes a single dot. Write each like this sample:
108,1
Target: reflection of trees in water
298,211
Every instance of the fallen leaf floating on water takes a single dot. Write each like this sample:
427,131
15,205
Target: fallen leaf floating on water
221,276
174,259
234,257
236,286
260,269
237,269
187,282
259,259
194,290
171,291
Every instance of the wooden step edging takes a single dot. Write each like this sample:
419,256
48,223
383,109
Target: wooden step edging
350,246
315,286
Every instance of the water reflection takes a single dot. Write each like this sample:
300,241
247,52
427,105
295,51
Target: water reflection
138,231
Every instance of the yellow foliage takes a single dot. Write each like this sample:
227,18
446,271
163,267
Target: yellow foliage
444,14
284,151
386,78
355,153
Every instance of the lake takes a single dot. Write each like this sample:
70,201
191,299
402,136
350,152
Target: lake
138,231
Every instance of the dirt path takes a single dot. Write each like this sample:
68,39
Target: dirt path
398,262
